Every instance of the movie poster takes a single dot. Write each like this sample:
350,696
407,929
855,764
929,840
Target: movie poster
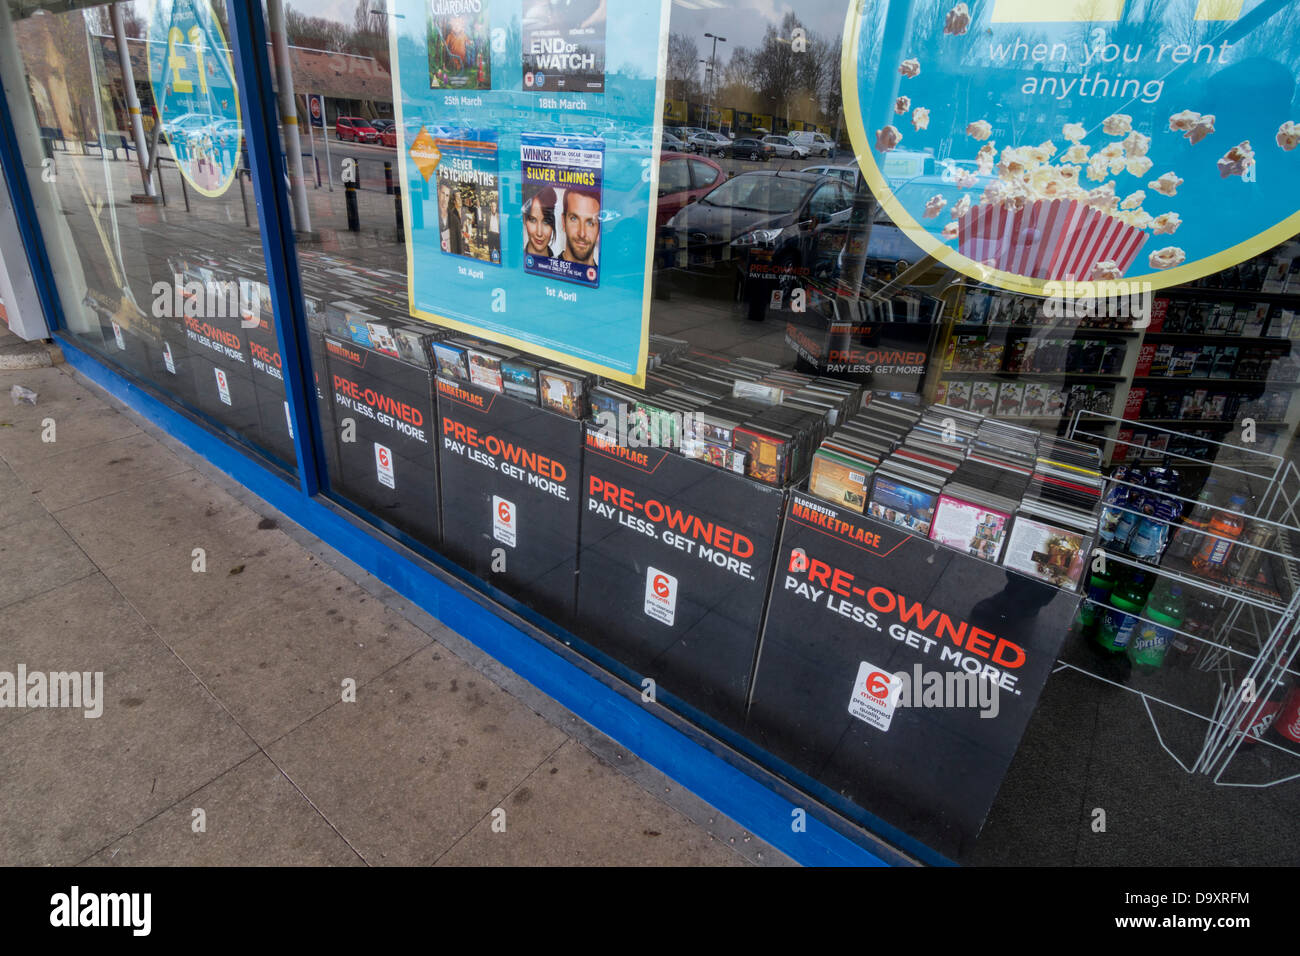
562,206
469,207
460,55
564,45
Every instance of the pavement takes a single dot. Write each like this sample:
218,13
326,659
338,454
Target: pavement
225,738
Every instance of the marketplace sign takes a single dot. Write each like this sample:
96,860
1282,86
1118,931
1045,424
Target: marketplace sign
193,80
1023,142
529,155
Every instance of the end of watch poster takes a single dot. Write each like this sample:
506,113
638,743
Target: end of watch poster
564,45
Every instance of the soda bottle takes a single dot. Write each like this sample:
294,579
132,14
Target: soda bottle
1117,495
1100,585
1213,553
1261,712
1200,618
1286,723
1152,637
1115,626
1244,564
1188,538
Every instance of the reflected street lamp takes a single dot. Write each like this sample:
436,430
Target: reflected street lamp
713,69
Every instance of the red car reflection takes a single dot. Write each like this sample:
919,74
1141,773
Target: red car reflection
355,129
684,178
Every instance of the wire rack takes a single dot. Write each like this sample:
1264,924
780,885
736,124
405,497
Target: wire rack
1238,672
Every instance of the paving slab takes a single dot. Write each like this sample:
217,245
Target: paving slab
97,471
426,752
125,527
252,816
70,785
37,555
575,810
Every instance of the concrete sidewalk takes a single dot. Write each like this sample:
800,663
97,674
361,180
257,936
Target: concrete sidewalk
222,688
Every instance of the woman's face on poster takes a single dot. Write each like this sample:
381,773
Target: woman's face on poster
537,230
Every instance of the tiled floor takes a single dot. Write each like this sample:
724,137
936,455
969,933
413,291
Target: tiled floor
224,737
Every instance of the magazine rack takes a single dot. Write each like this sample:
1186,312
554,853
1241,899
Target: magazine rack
1240,671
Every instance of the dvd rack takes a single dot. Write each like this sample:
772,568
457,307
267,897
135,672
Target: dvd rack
1012,356
1211,711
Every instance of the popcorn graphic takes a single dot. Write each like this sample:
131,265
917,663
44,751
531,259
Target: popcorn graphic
1237,160
1288,136
1192,125
1166,258
1166,222
910,68
934,205
1077,154
887,138
1073,132
1138,165
920,118
1038,220
1133,200
965,179
949,232
957,21
1105,270
980,129
1136,144
1166,185
902,105
1203,128
1117,124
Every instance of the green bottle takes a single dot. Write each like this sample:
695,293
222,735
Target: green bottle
1116,624
1100,586
1152,637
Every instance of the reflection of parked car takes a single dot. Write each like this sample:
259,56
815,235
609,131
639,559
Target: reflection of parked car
813,142
846,174
354,129
791,220
382,124
671,144
709,143
684,179
189,125
388,136
785,149
750,149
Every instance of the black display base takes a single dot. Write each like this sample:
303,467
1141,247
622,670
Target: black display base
511,477
675,560
856,600
383,437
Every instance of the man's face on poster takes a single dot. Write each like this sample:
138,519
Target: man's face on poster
581,227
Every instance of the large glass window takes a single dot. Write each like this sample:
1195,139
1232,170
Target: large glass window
129,122
916,417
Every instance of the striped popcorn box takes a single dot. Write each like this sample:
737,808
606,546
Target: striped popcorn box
1048,239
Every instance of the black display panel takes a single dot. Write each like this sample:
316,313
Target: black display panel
511,477
675,560
223,374
855,601
383,432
